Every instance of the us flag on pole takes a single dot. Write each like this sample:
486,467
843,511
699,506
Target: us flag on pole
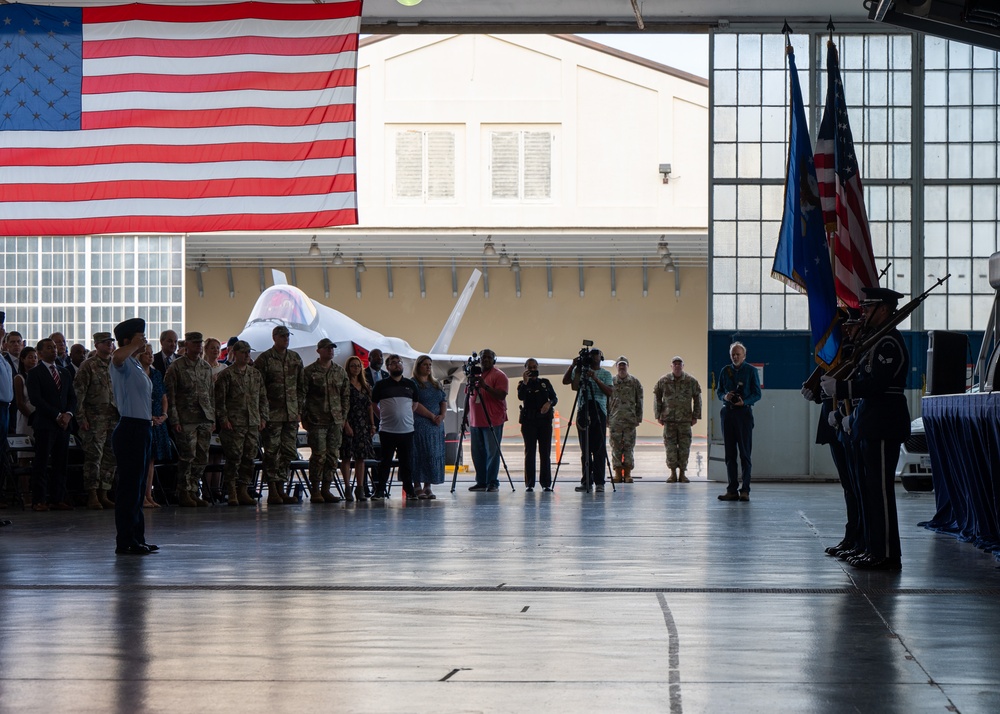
841,194
177,119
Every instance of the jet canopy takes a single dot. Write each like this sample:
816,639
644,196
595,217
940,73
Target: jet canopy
285,305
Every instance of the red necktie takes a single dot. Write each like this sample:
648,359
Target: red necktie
55,376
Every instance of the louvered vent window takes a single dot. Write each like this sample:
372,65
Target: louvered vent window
521,165
425,165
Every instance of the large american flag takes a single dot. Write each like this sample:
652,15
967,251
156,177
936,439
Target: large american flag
177,119
841,194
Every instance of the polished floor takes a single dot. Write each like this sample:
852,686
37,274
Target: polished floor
657,598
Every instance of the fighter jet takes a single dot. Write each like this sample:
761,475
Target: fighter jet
308,321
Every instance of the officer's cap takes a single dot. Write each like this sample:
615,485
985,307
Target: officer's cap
125,330
885,296
102,337
193,337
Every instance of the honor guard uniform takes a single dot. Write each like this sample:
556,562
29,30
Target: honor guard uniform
97,417
881,423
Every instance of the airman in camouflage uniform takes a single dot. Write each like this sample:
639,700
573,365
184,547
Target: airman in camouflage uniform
241,404
325,400
624,415
97,417
282,372
677,408
191,410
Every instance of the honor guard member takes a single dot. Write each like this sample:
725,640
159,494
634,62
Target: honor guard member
281,370
97,417
739,390
834,430
538,399
325,399
241,406
191,409
881,424
624,416
133,436
677,408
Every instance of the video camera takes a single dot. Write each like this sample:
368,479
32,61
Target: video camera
473,368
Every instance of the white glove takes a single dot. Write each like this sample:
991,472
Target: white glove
832,419
808,394
829,385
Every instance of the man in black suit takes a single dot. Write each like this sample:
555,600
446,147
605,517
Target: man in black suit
374,372
167,353
50,391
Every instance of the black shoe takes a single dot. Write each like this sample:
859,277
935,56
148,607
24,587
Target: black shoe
582,489
152,548
4,522
859,558
599,488
133,550
547,489
492,489
727,496
836,550
477,487
529,489
878,564
850,553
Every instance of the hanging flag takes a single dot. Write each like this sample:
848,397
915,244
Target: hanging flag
177,119
841,193
802,258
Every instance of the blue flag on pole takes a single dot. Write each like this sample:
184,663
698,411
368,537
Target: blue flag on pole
802,258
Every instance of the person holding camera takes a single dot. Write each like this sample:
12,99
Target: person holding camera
538,400
487,390
593,385
739,390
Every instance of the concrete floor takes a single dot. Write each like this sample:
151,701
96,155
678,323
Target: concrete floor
656,598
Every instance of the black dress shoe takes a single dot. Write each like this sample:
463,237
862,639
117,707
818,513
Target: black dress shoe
477,487
529,489
547,489
878,564
133,550
852,553
859,558
835,550
582,489
4,522
152,548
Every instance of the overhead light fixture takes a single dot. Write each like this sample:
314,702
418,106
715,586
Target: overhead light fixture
314,250
202,267
408,3
662,248
338,257
504,258
516,265
488,248
360,266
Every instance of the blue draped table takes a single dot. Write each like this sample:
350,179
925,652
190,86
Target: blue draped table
963,437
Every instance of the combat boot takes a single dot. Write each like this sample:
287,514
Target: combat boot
627,474
244,498
682,478
315,496
93,502
184,500
673,476
275,496
198,500
618,474
102,496
328,495
231,498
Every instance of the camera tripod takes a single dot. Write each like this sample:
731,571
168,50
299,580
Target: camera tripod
583,425
473,389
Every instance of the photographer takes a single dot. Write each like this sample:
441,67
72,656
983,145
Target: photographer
739,389
539,399
487,389
594,385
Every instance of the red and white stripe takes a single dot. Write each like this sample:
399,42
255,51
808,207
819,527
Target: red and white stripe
194,119
853,260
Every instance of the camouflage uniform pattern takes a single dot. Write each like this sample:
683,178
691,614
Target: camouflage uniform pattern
96,406
240,400
325,400
624,415
677,402
191,404
282,374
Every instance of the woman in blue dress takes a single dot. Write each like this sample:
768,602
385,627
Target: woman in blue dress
161,439
428,434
